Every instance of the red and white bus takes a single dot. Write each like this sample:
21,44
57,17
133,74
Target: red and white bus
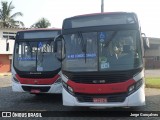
35,68
102,60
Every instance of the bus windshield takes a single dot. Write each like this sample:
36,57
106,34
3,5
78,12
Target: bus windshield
105,51
35,55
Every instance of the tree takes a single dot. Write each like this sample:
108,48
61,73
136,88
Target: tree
6,19
42,23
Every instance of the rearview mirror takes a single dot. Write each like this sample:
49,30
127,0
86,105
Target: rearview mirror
57,41
146,44
59,48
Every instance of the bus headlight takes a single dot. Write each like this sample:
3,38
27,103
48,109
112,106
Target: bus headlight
68,88
131,88
139,83
135,86
58,80
64,85
15,79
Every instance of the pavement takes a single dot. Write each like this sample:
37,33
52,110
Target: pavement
6,74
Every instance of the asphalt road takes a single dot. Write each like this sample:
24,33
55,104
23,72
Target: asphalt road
12,101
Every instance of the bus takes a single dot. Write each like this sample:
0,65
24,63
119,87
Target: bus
35,68
102,60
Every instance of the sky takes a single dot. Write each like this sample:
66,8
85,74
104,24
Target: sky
55,11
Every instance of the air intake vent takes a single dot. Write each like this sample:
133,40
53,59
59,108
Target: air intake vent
100,77
110,98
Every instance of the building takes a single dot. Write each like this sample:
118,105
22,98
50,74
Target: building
152,55
6,56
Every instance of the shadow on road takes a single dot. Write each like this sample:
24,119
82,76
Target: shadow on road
44,98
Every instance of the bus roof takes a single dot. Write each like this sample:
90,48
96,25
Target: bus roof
104,13
106,18
38,33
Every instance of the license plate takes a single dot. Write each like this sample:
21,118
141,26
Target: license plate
99,100
35,91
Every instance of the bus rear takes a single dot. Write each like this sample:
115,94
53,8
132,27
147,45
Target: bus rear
103,60
35,69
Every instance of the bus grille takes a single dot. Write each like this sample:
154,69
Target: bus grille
110,98
100,77
29,88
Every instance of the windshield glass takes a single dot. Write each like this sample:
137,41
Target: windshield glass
105,51
35,56
119,50
81,52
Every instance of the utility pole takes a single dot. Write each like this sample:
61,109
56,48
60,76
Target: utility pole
102,6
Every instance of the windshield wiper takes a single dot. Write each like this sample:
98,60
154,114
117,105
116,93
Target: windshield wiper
112,36
29,48
83,44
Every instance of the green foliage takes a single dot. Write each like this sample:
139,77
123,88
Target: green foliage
152,82
6,18
42,23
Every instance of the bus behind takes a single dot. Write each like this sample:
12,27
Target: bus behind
35,69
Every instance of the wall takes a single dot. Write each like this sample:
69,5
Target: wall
152,53
6,56
150,63
14,30
3,47
4,63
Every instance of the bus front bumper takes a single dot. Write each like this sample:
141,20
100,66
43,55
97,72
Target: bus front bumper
135,99
54,88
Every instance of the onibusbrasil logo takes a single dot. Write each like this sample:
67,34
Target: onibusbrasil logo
21,114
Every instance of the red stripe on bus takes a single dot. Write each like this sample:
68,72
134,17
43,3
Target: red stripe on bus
100,88
37,81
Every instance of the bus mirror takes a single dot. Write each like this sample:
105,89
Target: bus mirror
56,41
146,42
58,47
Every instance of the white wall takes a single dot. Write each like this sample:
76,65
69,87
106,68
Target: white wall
7,30
3,47
153,52
3,40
